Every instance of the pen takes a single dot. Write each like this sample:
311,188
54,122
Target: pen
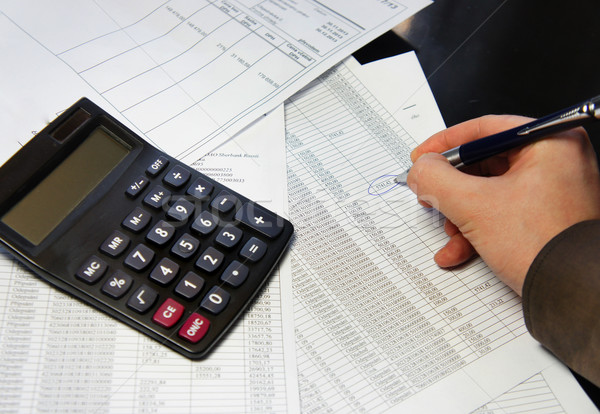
478,150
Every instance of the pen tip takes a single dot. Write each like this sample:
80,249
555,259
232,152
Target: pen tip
401,178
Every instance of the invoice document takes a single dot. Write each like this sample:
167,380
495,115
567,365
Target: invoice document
379,326
185,74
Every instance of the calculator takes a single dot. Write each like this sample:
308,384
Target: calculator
98,212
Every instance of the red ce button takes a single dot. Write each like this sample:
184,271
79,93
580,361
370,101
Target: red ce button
168,314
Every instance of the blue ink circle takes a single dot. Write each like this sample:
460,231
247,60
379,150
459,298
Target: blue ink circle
380,182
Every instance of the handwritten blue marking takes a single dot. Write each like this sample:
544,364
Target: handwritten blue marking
382,185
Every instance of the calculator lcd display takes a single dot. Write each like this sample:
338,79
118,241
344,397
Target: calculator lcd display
55,197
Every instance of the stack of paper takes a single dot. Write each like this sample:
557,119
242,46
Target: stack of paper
357,318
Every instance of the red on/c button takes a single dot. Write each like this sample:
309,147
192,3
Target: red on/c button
169,313
194,328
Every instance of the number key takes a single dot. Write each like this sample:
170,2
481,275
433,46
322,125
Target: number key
205,223
140,257
161,233
210,260
164,272
190,286
229,236
215,300
185,246
181,210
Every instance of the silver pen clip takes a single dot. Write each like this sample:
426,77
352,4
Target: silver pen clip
588,109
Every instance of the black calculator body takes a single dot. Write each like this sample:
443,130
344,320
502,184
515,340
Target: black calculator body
98,212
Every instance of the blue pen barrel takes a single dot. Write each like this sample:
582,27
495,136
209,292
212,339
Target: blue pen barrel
487,147
479,150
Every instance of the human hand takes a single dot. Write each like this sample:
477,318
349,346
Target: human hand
508,207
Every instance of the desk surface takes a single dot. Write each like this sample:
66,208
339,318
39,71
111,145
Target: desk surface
503,56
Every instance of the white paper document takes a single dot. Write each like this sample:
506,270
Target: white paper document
551,391
188,74
379,326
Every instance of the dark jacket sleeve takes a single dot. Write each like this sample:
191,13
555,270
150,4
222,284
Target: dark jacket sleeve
561,298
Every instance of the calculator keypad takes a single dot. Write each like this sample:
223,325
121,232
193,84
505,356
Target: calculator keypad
189,237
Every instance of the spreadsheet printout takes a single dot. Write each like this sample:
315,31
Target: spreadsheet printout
379,326
552,391
198,69
60,355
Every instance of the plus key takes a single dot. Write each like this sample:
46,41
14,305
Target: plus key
260,219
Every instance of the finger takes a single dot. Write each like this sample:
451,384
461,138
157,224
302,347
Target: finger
450,228
467,132
457,251
434,181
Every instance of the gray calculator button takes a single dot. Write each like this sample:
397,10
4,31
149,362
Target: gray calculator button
161,233
137,220
210,260
185,247
260,219
117,284
157,197
137,186
164,272
224,202
142,299
115,244
140,257
215,300
254,250
92,270
181,210
177,176
205,223
235,274
200,189
229,236
189,286
157,166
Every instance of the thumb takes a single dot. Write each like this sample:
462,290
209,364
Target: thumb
435,181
